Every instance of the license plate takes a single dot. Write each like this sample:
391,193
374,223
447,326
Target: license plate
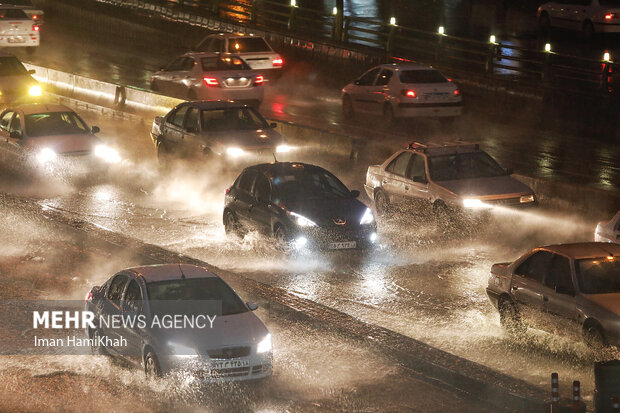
17,40
342,245
229,364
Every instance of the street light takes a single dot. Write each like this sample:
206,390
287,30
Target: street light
441,30
293,3
393,21
606,57
492,39
335,11
547,47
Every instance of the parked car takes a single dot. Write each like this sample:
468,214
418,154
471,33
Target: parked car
208,76
608,231
17,29
16,82
216,128
236,346
51,135
449,178
403,90
299,204
586,16
254,50
567,288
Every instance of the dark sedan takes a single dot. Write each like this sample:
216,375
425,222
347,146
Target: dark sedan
299,204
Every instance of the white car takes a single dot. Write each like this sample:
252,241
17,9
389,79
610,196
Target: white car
585,16
51,135
210,76
402,91
255,50
17,29
608,231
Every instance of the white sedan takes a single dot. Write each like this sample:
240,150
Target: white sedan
608,231
585,16
402,91
17,29
51,135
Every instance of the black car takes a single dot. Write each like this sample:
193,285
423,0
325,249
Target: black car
222,128
300,205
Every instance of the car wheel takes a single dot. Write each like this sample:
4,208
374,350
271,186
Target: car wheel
388,115
231,224
509,317
347,107
96,348
382,203
163,155
544,24
151,366
588,31
594,337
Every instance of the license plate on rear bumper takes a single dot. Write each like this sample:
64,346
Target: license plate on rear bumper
16,40
342,245
229,364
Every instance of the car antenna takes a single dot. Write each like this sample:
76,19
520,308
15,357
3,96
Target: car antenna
182,273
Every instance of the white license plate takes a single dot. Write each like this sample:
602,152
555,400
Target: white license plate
229,364
342,245
17,40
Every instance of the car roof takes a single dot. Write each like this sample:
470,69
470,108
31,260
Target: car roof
215,104
446,148
233,35
166,272
198,55
407,66
582,250
283,168
32,108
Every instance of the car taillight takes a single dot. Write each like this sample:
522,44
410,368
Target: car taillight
277,62
34,17
89,297
611,16
211,81
259,80
35,28
409,93
457,92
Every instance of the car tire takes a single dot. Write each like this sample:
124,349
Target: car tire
231,224
382,202
347,107
594,337
152,369
544,24
96,349
163,155
509,317
388,115
587,31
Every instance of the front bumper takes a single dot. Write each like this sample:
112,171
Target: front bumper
202,368
331,238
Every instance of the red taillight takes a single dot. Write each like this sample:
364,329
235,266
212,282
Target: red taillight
457,92
409,93
449,80
609,16
277,62
34,17
211,81
89,297
35,28
259,80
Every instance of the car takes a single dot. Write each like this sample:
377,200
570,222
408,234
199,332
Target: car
231,344
17,29
254,50
16,82
450,178
303,206
402,90
52,135
210,76
608,231
585,16
28,7
566,288
216,128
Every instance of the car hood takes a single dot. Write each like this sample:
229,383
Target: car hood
499,185
610,302
325,211
63,144
253,138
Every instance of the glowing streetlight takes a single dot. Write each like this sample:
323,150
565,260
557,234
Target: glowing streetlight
492,39
293,3
441,30
393,21
606,57
547,47
335,11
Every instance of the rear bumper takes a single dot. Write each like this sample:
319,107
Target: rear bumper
406,110
19,41
250,94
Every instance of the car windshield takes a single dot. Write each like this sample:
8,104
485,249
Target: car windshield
210,64
196,289
421,76
10,66
54,123
232,119
463,166
306,185
248,45
598,275
6,14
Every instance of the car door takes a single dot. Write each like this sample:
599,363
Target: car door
193,142
559,296
111,308
261,210
527,286
360,97
416,187
173,130
243,198
379,92
394,179
131,307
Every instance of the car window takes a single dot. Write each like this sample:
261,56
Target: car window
417,170
421,76
246,181
187,64
262,188
175,65
248,45
116,287
16,125
399,165
598,275
210,64
191,120
384,77
536,266
6,120
54,123
10,66
468,165
368,78
8,14
133,297
216,46
177,117
245,118
559,275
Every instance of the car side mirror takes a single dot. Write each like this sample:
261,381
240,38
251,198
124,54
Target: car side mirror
15,135
509,171
95,129
273,125
419,178
252,306
32,72
355,193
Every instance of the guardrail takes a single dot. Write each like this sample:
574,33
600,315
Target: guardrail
556,74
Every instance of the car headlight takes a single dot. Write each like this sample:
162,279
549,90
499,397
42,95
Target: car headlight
303,221
283,148
46,155
367,218
265,345
526,198
235,152
474,203
35,90
107,154
181,350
